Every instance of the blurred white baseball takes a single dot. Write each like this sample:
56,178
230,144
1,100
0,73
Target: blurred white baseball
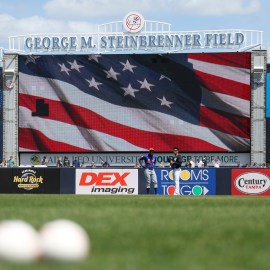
64,240
19,241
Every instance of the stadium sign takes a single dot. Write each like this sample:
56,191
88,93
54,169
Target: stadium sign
136,33
109,42
251,182
107,182
196,182
129,159
27,180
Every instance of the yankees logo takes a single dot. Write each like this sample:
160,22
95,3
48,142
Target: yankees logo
133,22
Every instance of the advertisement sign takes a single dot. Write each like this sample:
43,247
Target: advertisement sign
107,182
251,182
131,158
30,180
197,182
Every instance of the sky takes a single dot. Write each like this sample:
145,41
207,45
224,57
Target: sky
19,17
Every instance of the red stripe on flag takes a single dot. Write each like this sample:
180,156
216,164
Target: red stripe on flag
224,86
37,141
239,60
78,116
225,122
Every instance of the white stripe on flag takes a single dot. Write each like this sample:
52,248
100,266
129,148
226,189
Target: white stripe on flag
77,136
237,74
225,103
140,119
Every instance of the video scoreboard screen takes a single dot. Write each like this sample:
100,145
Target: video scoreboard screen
130,102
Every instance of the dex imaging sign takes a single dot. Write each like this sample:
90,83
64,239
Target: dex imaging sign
107,182
136,33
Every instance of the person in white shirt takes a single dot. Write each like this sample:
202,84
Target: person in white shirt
216,163
176,164
191,163
3,163
200,163
44,161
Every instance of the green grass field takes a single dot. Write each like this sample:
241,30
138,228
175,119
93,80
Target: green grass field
155,232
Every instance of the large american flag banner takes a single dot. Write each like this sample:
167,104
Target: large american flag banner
123,102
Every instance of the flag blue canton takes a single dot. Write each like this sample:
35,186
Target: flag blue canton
148,82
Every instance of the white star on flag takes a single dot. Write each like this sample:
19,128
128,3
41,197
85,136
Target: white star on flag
75,66
129,90
128,66
145,84
31,59
111,74
64,68
94,83
164,77
165,102
94,57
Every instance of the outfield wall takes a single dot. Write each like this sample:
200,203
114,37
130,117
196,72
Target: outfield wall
130,181
35,111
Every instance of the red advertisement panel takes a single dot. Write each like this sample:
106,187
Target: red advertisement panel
107,182
254,182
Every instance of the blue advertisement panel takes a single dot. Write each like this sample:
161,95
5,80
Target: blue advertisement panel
198,182
268,114
268,91
268,139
